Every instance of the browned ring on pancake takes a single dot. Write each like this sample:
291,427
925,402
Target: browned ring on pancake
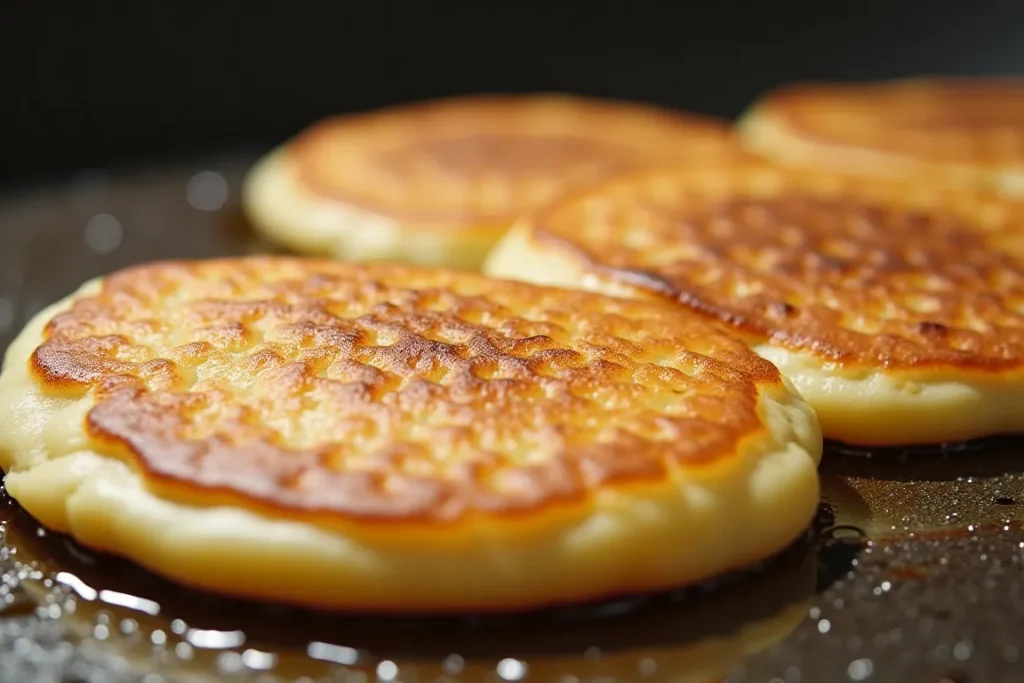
854,271
964,130
474,161
330,391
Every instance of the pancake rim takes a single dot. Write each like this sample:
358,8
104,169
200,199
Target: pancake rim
557,261
103,503
766,129
287,210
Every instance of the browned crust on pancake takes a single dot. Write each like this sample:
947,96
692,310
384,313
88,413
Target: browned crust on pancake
390,393
923,122
475,161
860,272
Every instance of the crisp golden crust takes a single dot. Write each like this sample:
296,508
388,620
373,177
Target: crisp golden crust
858,272
388,393
476,162
941,124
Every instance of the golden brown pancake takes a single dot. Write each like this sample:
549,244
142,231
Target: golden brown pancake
406,439
897,309
439,182
965,131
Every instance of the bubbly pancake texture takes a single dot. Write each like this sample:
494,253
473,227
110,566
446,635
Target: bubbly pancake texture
963,131
439,182
897,309
404,439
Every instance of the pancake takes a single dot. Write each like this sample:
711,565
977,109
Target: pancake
387,438
964,131
895,308
438,182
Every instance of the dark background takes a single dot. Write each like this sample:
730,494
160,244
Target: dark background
91,84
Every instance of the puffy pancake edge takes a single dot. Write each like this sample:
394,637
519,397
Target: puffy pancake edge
626,541
855,404
282,210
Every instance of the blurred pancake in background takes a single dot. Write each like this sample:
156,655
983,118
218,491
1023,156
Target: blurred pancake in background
439,182
964,131
895,308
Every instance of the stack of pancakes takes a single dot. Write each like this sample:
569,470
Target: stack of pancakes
673,313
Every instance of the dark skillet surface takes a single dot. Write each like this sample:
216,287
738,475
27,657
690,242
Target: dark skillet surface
914,571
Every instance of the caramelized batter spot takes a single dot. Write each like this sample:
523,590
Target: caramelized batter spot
469,160
854,271
386,392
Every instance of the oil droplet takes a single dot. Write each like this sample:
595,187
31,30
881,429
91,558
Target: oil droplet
184,651
130,601
229,663
103,233
962,651
453,664
209,639
326,652
259,660
178,627
824,626
100,632
511,669
387,671
158,637
648,667
207,191
76,584
860,669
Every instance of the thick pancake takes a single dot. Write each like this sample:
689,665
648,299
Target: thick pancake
439,182
964,131
896,309
388,438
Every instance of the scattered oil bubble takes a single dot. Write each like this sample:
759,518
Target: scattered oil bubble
207,191
860,669
387,671
103,233
209,639
453,664
511,669
328,652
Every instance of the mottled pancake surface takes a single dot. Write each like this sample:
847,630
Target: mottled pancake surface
858,275
488,158
401,439
439,182
945,125
393,393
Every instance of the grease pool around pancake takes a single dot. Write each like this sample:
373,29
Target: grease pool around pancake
964,131
438,182
897,309
402,439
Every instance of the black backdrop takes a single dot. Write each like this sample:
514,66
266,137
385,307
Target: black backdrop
86,84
